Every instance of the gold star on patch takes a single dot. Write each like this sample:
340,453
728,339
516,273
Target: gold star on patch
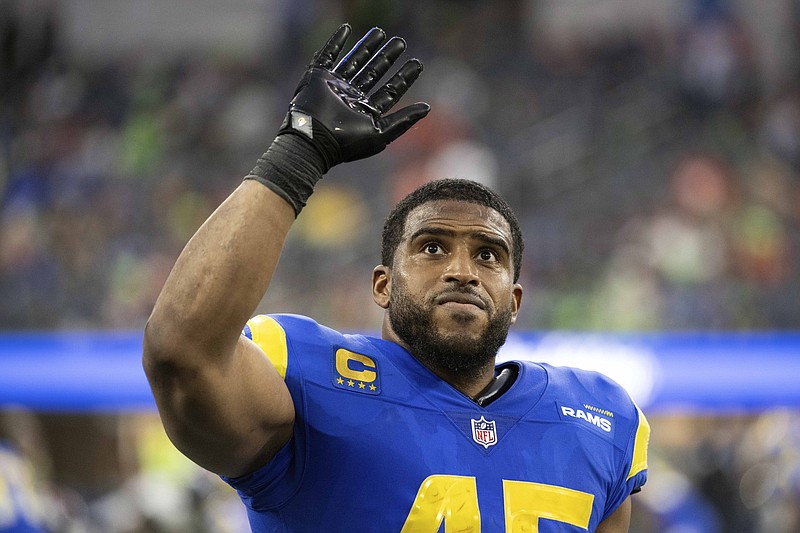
350,383
373,387
340,381
361,385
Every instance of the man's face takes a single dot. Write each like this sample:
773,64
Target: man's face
450,293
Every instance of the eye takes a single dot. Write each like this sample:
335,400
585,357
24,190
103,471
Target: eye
433,248
487,255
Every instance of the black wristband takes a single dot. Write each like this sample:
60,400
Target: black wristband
291,167
297,122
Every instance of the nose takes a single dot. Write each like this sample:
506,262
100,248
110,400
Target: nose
461,269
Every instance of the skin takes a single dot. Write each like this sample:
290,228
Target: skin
221,402
448,244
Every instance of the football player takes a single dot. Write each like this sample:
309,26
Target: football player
415,431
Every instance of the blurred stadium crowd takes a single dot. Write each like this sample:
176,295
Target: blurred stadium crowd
655,169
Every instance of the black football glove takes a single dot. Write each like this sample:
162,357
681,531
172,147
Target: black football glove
333,118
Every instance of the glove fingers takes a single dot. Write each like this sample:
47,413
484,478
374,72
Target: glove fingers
326,55
399,122
388,95
379,65
360,54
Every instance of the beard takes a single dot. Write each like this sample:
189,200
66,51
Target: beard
454,353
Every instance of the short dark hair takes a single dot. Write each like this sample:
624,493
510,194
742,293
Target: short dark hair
449,189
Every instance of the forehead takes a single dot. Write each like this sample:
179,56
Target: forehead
457,215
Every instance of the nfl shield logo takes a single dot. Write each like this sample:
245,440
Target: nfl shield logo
484,432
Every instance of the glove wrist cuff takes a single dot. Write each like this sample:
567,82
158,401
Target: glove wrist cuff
316,134
291,167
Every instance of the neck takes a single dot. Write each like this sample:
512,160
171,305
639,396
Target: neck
471,385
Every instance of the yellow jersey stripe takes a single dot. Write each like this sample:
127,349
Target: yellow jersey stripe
640,444
270,337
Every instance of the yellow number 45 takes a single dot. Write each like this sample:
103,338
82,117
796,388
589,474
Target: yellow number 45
454,500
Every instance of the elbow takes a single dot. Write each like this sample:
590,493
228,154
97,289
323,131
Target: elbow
168,362
161,350
169,353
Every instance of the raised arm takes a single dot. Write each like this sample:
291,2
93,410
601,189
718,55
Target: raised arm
221,401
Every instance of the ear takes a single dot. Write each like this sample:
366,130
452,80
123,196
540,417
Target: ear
381,285
516,301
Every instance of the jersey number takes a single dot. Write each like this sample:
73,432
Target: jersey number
454,499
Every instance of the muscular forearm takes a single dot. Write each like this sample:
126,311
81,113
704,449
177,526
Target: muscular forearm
222,274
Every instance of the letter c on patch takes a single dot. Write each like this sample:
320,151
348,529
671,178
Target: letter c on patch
344,366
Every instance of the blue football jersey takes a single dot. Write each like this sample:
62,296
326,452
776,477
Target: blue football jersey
382,444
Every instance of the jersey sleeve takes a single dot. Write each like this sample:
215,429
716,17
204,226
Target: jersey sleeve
627,429
637,476
276,335
634,475
270,336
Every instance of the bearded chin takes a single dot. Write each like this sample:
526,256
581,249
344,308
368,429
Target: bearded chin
454,353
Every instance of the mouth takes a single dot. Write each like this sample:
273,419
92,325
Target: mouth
460,299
